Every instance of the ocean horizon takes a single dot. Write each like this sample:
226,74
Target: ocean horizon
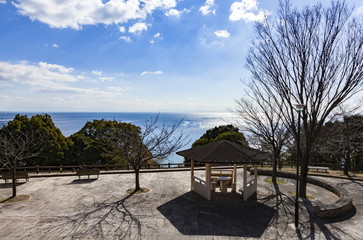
195,124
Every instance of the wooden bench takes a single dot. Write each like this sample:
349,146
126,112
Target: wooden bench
87,172
318,168
251,187
9,175
221,173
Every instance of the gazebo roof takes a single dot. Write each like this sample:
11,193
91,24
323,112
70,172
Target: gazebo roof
224,152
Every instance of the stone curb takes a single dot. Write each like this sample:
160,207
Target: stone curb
326,211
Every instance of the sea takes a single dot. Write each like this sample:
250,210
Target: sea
193,124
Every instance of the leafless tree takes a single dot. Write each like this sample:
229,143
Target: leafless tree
18,146
157,141
262,118
312,57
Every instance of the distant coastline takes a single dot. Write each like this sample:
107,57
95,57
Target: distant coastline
194,124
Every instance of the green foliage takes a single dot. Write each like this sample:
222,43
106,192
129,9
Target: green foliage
233,137
56,143
216,131
223,132
344,142
102,142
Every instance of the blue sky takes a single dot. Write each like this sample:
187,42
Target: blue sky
122,56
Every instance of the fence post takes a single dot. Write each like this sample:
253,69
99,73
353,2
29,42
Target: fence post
168,165
61,169
37,169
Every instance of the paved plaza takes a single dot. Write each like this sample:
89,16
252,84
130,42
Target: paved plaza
68,208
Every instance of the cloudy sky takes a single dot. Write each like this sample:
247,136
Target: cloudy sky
118,55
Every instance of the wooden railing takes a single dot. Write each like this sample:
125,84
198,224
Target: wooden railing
118,167
106,167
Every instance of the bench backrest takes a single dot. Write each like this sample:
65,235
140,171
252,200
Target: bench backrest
9,175
88,171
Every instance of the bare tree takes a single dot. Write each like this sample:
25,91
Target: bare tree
17,147
262,118
156,142
312,57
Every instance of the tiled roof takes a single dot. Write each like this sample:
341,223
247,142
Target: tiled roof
224,152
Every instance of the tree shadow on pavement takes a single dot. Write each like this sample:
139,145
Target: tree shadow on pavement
99,220
9,184
324,227
82,181
224,215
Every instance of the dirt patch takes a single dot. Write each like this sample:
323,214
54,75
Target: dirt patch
18,198
140,191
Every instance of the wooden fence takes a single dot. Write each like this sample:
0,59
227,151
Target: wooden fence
118,167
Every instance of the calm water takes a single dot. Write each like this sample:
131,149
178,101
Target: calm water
193,124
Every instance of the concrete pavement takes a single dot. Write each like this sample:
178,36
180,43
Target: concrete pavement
68,208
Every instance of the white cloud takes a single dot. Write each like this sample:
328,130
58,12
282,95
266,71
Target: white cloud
222,33
208,7
56,67
76,13
358,11
122,29
151,73
55,45
2,1
137,28
126,39
42,73
247,10
97,73
115,89
176,13
104,79
156,38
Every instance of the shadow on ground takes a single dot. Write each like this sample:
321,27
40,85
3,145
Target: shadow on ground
82,181
109,219
10,185
224,215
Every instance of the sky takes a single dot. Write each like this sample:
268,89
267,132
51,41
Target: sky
128,56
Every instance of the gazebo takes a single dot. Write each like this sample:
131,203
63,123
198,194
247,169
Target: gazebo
224,152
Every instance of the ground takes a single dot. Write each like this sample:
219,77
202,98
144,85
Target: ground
68,208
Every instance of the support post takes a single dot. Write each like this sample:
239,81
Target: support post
234,182
255,173
192,175
208,180
244,181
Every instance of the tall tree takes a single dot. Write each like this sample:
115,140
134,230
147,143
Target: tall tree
19,146
262,118
345,142
311,56
156,141
57,144
101,142
222,132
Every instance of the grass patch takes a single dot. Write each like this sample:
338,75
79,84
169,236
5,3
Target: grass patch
278,181
141,190
18,198
309,196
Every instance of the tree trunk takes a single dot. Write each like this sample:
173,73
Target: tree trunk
303,174
137,179
14,179
279,162
274,169
347,163
347,157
